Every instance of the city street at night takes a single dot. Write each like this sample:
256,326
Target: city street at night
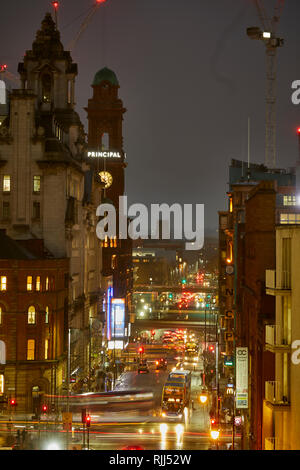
150,229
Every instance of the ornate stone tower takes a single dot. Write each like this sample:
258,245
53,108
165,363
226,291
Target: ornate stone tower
105,138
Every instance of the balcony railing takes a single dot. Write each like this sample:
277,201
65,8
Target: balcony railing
270,279
278,281
275,336
274,393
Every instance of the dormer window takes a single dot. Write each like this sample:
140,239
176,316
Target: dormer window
46,88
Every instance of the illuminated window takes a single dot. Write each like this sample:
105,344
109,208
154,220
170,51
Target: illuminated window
290,218
6,184
3,282
46,348
0,315
230,205
6,210
114,262
47,315
36,184
30,349
47,283
289,200
31,315
29,282
38,283
1,384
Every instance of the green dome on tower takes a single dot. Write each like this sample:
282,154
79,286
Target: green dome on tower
105,75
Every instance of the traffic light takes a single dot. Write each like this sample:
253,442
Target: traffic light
12,402
141,349
44,408
88,421
183,281
211,348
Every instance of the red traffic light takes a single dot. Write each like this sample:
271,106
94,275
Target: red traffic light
12,402
45,408
211,348
88,421
141,349
213,421
55,5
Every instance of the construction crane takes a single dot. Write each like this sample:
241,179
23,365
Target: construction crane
268,35
85,23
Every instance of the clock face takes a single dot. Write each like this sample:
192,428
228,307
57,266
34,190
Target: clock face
106,178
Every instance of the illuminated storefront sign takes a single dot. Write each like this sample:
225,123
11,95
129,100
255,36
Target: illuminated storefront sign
115,345
118,318
108,312
103,154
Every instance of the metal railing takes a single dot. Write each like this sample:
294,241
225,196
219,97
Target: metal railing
274,393
275,336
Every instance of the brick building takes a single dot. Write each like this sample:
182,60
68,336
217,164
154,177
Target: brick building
33,322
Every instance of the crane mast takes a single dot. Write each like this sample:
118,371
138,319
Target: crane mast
272,42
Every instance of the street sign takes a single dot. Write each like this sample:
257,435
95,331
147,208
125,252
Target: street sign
229,361
242,378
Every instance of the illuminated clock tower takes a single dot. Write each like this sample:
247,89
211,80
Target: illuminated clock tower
105,138
105,152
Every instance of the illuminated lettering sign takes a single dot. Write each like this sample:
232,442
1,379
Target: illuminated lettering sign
241,377
106,154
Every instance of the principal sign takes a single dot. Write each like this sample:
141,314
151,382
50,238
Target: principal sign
103,154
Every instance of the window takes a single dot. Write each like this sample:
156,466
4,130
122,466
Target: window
3,282
290,219
36,184
1,384
46,88
6,184
289,200
5,210
113,261
47,315
31,315
0,315
38,283
30,349
69,91
46,348
29,283
47,283
105,141
36,210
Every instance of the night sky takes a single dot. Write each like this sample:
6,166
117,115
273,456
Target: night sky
189,78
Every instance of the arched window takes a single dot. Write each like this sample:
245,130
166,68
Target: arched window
105,141
31,315
2,92
46,88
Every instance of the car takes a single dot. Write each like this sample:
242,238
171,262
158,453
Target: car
161,364
143,367
133,448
